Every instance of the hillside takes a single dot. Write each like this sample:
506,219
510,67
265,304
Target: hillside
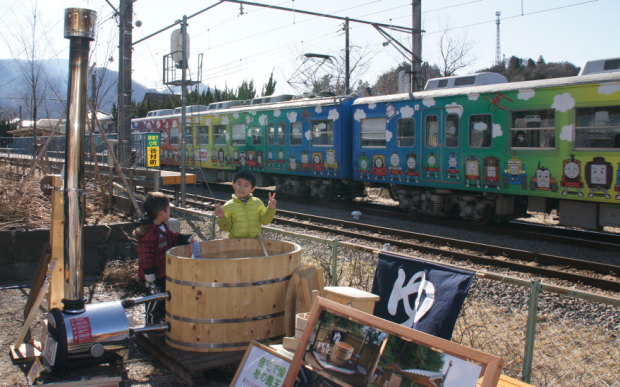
15,90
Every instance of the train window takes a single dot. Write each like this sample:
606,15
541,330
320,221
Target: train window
219,134
406,132
432,131
598,127
452,130
322,132
533,129
275,136
174,136
480,126
188,135
373,133
238,134
295,136
271,134
257,136
281,129
464,81
203,135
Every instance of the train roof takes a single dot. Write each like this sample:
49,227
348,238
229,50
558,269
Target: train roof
494,88
478,79
279,103
600,66
293,103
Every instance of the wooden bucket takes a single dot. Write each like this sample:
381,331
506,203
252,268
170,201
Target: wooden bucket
230,296
341,352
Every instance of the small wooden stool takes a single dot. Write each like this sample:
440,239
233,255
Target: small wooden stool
355,298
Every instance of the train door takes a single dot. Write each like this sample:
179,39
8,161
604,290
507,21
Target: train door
440,136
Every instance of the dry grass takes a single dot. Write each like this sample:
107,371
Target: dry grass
23,205
122,274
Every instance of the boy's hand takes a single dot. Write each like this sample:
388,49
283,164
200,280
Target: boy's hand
219,211
272,200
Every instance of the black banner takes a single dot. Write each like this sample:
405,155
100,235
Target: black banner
421,295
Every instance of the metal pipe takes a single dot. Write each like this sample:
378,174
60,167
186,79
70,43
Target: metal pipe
149,328
80,30
128,303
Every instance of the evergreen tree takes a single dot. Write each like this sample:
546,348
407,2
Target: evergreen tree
269,87
246,90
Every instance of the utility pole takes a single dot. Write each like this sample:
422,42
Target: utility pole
347,88
184,64
123,119
416,45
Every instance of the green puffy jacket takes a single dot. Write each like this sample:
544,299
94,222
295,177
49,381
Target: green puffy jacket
243,220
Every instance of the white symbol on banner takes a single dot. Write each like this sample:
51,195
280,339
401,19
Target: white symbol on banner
423,302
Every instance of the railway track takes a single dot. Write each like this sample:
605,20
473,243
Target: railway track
589,273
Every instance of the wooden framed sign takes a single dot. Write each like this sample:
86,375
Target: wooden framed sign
342,346
261,366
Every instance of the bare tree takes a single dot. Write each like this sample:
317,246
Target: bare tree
456,53
32,48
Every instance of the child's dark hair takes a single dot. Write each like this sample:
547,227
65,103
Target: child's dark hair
154,203
243,174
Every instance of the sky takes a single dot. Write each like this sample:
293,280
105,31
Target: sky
252,42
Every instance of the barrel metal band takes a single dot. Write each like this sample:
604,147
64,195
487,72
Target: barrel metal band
220,345
223,320
227,284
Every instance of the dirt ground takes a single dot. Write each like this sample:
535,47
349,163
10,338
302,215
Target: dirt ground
127,360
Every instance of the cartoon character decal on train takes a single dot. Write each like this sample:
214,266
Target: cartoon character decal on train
491,172
270,161
543,181
452,170
317,163
378,167
394,167
235,158
598,177
431,165
390,111
305,161
514,173
292,163
472,171
251,161
331,163
363,166
412,168
571,182
281,161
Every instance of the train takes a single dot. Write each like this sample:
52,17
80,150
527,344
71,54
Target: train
475,147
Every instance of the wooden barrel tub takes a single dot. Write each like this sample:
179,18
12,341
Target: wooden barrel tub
230,296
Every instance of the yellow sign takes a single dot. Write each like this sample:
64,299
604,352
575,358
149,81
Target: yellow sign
152,150
153,156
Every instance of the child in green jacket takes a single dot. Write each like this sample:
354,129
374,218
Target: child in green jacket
243,215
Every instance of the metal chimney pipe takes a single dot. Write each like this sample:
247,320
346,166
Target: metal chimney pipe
80,30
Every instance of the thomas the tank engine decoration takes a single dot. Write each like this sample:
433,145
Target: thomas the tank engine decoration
571,177
598,177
